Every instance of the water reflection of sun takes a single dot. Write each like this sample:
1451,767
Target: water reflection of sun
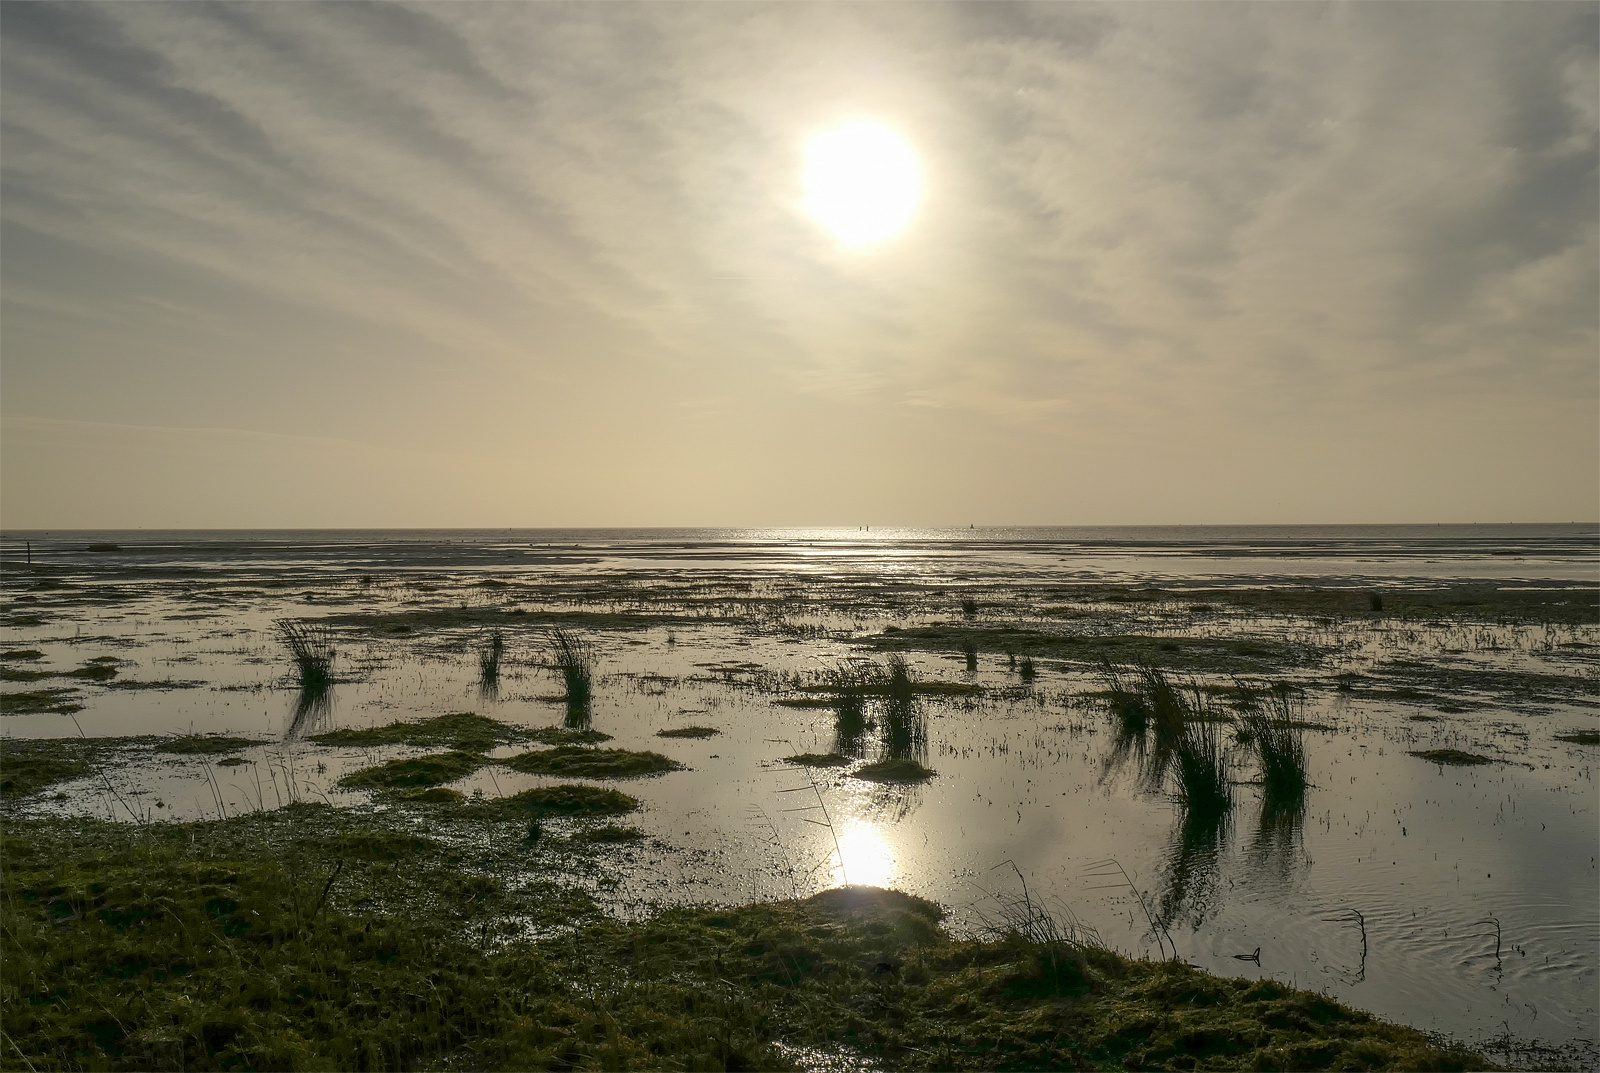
869,858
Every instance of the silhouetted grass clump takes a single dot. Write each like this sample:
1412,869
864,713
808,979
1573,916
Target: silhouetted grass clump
575,660
1200,760
1270,725
969,607
1026,670
489,657
311,648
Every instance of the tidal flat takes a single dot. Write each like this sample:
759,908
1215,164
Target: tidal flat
779,726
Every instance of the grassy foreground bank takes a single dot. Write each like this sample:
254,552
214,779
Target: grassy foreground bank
315,938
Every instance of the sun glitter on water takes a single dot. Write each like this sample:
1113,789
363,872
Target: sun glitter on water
863,182
869,859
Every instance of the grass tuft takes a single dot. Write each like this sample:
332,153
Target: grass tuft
416,771
576,762
311,648
458,730
688,732
554,801
1270,724
575,660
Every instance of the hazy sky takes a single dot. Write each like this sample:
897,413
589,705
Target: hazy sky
274,264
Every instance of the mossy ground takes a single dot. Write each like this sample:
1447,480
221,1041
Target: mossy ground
1581,737
206,744
576,762
458,730
414,772
902,769
40,702
1453,757
312,938
817,760
688,732
553,801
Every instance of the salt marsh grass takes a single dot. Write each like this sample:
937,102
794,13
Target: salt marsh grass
311,648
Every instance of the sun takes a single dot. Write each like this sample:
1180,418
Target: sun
863,182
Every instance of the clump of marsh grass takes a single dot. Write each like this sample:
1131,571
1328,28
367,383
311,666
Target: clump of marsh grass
1173,732
311,648
1271,727
1026,670
1201,762
904,725
575,660
850,683
969,607
969,649
1057,945
489,657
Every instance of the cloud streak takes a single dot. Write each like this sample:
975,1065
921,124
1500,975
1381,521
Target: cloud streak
497,227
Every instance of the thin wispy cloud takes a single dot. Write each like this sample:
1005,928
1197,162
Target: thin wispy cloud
522,230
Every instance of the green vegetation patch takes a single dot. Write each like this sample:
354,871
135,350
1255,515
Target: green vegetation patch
1581,737
1454,757
21,654
26,767
817,760
415,771
566,736
688,732
553,801
311,938
576,762
206,744
458,730
608,834
40,702
902,769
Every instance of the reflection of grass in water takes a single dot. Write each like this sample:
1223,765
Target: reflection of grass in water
1191,868
1278,838
312,710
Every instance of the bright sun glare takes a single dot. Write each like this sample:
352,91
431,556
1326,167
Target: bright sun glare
867,856
862,182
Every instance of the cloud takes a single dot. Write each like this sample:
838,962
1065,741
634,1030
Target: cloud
1135,212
